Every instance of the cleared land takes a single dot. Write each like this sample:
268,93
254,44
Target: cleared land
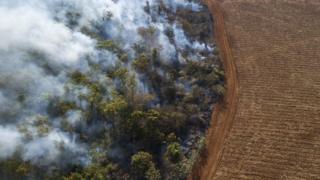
269,125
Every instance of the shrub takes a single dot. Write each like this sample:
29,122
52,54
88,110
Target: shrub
219,90
142,166
153,173
141,64
174,152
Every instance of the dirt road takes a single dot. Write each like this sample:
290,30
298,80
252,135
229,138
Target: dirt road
269,125
224,113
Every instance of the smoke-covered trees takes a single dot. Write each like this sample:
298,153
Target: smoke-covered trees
195,24
141,64
170,33
135,107
151,126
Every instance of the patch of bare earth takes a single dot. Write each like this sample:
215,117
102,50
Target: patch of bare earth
269,125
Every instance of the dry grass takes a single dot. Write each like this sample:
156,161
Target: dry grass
276,130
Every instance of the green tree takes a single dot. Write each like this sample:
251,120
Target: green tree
79,78
141,64
174,152
219,90
153,173
109,45
115,106
42,125
74,176
143,167
131,86
171,138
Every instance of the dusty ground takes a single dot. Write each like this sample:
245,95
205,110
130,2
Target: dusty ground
269,125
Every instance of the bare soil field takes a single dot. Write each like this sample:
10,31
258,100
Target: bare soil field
268,127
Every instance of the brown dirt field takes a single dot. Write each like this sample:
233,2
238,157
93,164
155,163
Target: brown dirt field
269,125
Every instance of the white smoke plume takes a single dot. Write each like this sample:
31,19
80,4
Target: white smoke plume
41,42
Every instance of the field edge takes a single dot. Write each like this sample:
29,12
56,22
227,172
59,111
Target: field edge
224,112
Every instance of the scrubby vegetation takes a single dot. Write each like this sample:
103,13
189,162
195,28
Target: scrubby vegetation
142,116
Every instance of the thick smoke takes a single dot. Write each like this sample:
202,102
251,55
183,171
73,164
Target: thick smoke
41,42
10,140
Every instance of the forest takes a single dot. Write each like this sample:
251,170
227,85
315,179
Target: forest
127,94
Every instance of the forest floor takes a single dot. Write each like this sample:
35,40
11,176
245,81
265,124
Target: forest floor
268,126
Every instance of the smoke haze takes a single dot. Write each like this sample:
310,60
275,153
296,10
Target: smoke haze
42,42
